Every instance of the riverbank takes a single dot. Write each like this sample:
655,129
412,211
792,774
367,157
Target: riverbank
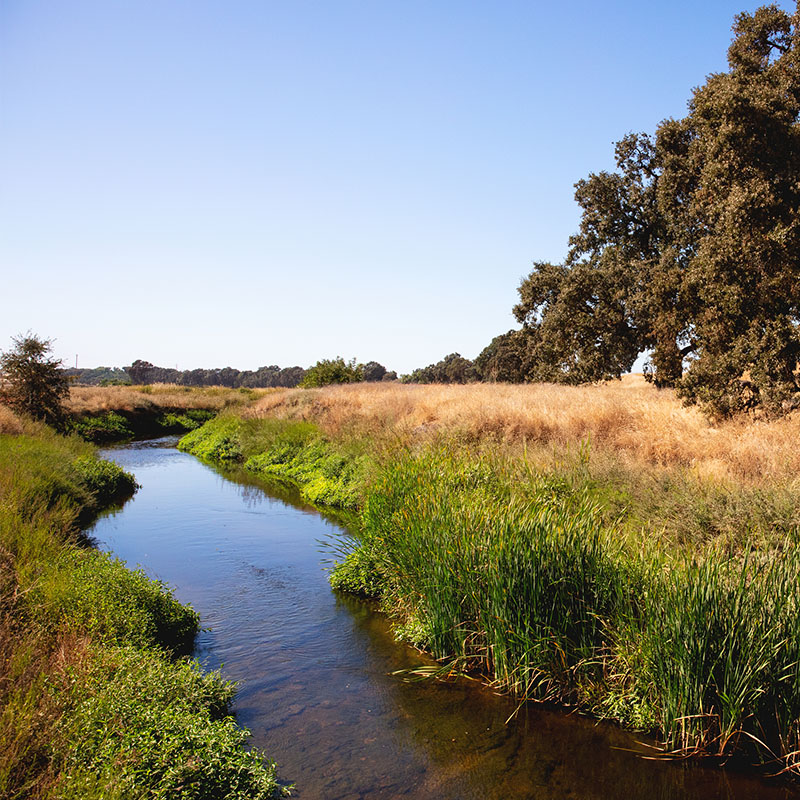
586,565
97,700
121,413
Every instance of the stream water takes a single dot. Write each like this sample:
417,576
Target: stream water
316,668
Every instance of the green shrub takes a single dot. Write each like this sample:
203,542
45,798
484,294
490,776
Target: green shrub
104,479
292,452
359,573
141,726
108,427
337,370
87,590
188,420
216,441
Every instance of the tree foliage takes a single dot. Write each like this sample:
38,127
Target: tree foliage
691,248
453,368
336,370
143,372
31,383
504,359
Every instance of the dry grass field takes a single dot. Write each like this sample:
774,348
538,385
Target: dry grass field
10,423
627,419
97,399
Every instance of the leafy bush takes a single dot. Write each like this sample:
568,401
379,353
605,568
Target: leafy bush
95,592
104,479
142,726
188,420
218,440
336,370
109,427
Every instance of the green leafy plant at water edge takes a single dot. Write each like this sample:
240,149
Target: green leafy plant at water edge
188,420
104,479
93,592
217,441
359,573
293,452
143,726
93,703
109,427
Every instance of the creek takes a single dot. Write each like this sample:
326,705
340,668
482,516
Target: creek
317,669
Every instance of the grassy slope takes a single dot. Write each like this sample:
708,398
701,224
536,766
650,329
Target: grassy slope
117,413
640,584
94,701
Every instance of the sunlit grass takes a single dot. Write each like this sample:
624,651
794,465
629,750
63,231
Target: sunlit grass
93,703
652,592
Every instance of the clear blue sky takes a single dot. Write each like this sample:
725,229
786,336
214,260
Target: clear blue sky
253,182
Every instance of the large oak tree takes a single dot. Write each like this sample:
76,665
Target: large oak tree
691,248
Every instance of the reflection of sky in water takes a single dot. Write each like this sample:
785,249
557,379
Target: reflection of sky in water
315,668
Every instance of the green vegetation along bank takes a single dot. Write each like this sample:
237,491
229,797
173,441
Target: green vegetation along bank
97,699
123,425
547,582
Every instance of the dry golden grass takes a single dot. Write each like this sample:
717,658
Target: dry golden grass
95,399
627,418
9,422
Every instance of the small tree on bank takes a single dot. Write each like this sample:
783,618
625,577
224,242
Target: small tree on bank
31,383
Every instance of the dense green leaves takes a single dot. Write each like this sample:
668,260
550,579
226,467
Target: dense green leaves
691,249
335,370
453,368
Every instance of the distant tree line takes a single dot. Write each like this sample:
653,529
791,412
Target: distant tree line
451,369
322,373
143,372
502,360
98,376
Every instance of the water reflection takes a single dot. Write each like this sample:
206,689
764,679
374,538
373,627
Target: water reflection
316,668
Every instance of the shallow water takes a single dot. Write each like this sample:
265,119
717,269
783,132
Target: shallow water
317,689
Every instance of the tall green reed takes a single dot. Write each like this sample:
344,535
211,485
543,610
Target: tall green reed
497,569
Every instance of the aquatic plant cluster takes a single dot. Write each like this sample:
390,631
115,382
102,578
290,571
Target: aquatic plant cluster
540,581
96,698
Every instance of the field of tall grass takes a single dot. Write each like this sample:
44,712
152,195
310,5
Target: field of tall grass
602,547
98,399
628,418
96,699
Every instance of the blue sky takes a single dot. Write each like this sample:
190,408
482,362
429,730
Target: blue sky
254,182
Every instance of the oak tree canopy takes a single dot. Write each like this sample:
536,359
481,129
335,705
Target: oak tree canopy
691,248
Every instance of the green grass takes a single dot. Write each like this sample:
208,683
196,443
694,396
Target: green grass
492,566
140,725
87,591
108,427
94,702
666,601
327,473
